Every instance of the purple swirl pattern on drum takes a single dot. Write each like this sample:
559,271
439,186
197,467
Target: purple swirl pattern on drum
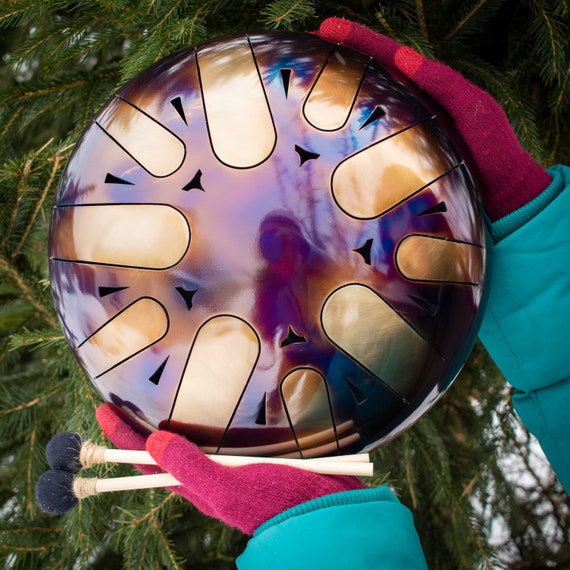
270,245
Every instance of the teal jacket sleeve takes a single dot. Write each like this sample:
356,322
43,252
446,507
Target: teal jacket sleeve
365,528
530,291
526,327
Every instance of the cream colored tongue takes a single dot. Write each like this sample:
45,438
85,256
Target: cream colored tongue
128,235
239,120
220,364
132,330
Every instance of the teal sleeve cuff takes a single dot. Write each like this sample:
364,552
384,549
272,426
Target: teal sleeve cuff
364,529
504,227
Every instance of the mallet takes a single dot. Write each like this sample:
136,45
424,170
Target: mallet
69,452
58,490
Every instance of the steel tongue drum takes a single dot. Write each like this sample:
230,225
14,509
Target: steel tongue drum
270,245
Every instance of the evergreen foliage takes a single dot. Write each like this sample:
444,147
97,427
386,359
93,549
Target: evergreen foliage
482,496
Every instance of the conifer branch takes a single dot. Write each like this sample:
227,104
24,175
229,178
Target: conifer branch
37,338
380,16
29,404
13,548
550,38
10,18
56,162
30,480
13,117
463,21
29,50
153,512
422,19
15,209
562,99
283,14
41,91
26,291
167,548
456,504
167,14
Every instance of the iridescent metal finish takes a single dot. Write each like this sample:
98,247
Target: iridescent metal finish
270,245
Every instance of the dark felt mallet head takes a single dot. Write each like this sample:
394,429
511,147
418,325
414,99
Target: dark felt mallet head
54,492
63,451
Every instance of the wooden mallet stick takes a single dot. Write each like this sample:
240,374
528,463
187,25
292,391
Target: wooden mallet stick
59,490
69,452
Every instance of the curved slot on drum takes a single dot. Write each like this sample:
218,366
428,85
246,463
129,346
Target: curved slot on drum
315,445
221,361
378,178
362,324
135,328
128,235
431,258
333,95
306,400
152,145
240,125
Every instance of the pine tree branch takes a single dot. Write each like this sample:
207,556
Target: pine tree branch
30,480
56,159
456,503
409,476
11,18
558,105
28,339
152,513
463,21
422,19
468,490
13,117
167,548
16,208
30,49
551,38
561,100
26,291
12,548
380,16
167,15
284,14
29,404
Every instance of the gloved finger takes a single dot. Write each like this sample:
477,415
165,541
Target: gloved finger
121,434
360,38
508,177
444,84
117,430
243,497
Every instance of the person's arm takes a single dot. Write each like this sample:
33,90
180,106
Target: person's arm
527,321
366,529
530,292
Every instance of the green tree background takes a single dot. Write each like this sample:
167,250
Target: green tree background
481,493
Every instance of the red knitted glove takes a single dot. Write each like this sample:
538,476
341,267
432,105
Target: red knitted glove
242,497
508,176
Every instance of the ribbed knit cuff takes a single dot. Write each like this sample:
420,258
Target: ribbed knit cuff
510,223
333,500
